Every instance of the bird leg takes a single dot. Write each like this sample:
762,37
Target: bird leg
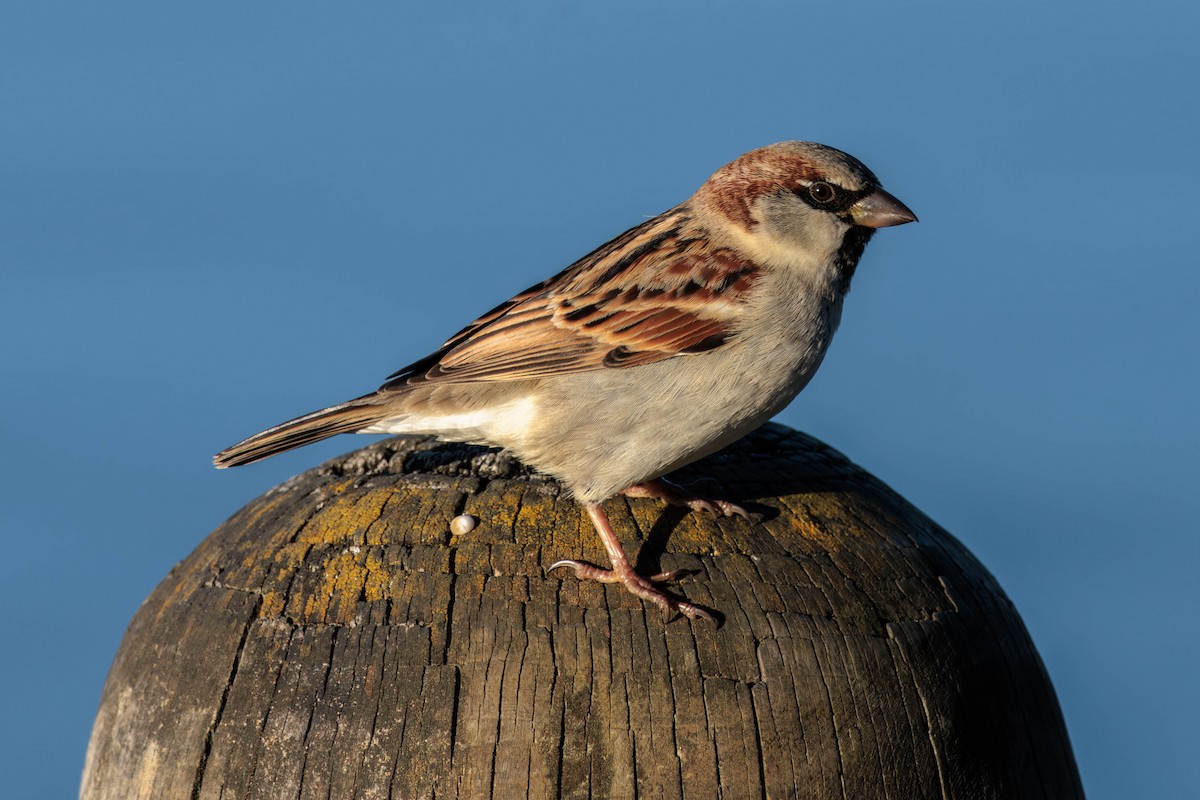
622,571
676,495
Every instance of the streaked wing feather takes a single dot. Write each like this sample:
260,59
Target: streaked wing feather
658,291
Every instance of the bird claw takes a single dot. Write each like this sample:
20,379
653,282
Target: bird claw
662,489
721,508
670,606
639,585
590,572
689,610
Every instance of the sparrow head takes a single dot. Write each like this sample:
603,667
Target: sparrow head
800,204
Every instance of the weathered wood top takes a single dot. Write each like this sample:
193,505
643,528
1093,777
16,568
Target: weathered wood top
334,639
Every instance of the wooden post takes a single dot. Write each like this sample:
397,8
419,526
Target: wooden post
335,639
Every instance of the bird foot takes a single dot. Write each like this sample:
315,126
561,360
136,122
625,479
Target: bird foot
638,585
590,572
676,495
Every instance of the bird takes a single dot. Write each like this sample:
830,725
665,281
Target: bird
662,346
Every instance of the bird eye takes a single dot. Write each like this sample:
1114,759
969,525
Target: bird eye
821,191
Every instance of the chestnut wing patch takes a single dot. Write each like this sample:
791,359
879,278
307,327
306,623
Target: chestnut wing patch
659,291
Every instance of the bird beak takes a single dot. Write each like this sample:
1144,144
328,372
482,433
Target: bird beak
879,210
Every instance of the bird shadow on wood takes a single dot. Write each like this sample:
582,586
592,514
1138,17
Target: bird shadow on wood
650,554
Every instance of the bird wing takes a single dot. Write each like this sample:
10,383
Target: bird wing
658,291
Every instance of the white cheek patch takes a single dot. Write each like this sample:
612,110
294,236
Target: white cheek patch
796,239
499,424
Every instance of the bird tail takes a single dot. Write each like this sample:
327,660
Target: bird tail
348,417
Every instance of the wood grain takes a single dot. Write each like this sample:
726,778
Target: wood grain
333,639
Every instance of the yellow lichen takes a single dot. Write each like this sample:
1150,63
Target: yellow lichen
343,517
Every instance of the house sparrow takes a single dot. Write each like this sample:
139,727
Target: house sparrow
664,345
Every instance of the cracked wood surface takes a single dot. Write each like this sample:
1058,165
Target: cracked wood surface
333,639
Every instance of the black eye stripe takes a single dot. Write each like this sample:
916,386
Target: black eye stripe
841,201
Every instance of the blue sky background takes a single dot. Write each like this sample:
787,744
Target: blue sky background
215,217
